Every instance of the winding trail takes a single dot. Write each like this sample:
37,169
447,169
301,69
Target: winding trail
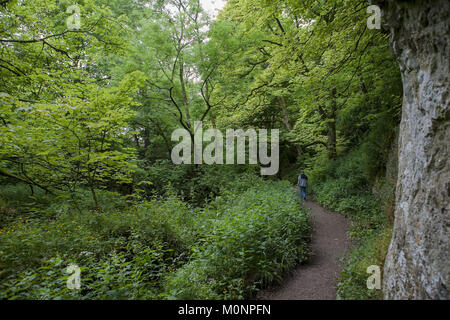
317,278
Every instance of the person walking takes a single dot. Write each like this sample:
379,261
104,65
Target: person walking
302,184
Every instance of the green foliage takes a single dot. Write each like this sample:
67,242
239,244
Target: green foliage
244,239
77,142
194,184
86,118
123,254
344,186
353,279
310,68
346,189
251,240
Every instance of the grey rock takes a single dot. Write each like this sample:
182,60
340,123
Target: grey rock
417,265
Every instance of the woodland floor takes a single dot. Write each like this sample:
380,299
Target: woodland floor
317,278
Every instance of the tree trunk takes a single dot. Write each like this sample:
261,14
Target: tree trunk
185,96
94,195
417,265
331,123
213,120
165,138
146,138
282,104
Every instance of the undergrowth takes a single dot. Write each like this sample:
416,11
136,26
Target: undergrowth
163,248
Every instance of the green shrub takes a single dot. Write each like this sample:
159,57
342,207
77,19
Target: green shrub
128,273
120,251
164,248
253,239
353,279
195,184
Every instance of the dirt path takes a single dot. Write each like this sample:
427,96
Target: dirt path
317,278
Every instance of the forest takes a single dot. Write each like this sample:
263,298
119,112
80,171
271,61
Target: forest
91,93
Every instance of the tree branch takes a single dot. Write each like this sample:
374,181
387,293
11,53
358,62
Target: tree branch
179,111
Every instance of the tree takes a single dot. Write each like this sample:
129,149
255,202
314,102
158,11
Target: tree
305,63
77,142
62,123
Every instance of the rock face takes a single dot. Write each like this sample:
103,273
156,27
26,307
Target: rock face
418,262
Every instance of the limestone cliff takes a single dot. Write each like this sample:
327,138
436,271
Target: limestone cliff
417,265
